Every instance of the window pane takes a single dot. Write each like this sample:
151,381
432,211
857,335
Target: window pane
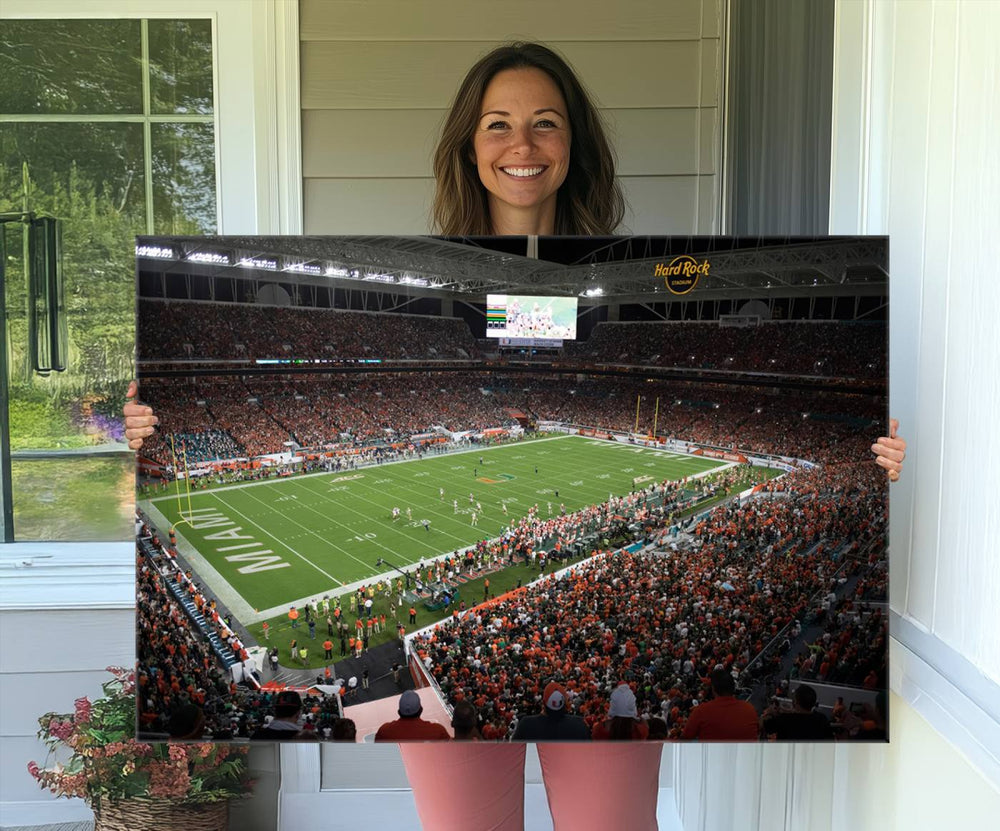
91,177
180,66
70,66
74,499
72,475
184,179
75,165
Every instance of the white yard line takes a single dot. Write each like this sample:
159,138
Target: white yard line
271,536
206,572
296,477
247,615
323,539
360,482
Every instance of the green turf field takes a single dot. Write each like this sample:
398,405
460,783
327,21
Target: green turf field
282,540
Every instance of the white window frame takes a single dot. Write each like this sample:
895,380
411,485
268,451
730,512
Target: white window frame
256,86
259,191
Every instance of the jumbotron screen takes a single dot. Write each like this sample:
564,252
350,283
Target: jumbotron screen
527,316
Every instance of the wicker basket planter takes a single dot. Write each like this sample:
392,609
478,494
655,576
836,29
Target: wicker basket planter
161,815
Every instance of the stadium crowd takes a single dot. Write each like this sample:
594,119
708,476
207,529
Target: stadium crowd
187,330
175,330
662,622
258,415
852,649
835,349
245,417
177,667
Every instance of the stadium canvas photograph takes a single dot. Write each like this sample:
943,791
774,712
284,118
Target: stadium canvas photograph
512,488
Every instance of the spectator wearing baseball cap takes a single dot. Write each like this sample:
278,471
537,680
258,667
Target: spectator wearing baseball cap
622,723
555,724
409,727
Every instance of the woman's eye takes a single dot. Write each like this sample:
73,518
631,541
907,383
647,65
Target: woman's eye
496,125
545,122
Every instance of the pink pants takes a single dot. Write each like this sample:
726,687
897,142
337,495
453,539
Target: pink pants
474,786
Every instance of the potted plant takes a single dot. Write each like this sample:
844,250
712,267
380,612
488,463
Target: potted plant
137,785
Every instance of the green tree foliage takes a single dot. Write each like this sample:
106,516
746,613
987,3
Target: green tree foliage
98,268
70,66
91,175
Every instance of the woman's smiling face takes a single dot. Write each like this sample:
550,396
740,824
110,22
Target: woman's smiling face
521,146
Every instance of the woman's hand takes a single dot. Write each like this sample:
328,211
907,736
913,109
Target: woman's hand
890,451
139,419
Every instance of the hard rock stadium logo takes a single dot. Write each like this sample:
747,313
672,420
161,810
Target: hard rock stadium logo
681,275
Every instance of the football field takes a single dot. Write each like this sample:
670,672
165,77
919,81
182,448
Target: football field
277,541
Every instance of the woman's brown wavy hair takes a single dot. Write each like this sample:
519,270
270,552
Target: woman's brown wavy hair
590,202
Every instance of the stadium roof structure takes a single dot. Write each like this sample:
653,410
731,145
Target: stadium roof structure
597,270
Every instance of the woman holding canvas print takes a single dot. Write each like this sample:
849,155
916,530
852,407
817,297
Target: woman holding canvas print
523,151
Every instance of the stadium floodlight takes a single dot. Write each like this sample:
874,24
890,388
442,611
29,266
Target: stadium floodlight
407,280
379,278
337,271
156,252
304,268
265,263
594,292
210,257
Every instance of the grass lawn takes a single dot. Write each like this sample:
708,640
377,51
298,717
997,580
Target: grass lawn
76,499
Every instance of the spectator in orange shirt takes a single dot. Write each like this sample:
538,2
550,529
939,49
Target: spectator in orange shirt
725,718
409,726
